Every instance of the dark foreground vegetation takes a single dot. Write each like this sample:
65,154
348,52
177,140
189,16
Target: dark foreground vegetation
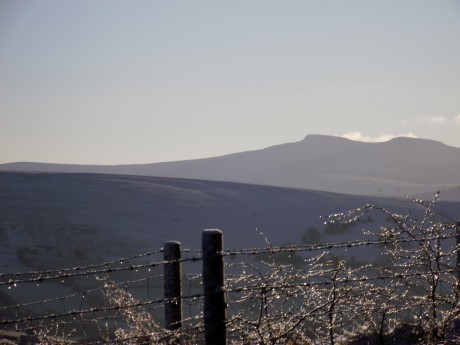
307,294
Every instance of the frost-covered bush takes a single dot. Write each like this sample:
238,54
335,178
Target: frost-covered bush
310,294
414,299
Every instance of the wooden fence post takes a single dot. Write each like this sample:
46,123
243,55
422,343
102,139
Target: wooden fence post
458,250
213,285
173,285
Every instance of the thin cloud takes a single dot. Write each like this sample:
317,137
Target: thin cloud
457,119
358,136
437,119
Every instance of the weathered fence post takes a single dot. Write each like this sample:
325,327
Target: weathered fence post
458,250
213,285
173,285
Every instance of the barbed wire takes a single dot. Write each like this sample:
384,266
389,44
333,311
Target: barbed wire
92,269
95,266
79,294
338,281
319,275
41,276
331,245
80,268
252,251
75,313
196,297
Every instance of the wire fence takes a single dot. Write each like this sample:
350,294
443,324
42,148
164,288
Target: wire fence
292,294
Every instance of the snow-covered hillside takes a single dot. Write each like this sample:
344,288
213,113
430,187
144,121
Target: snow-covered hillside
55,221
103,216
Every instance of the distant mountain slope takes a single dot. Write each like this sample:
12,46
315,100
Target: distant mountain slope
55,220
397,167
127,214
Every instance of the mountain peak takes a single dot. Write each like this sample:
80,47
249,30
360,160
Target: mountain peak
409,139
396,167
319,136
340,139
323,137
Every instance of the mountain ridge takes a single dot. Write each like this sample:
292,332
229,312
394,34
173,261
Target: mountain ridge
393,168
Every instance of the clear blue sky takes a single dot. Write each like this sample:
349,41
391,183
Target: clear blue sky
109,82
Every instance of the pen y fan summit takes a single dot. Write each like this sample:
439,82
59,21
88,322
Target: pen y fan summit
397,167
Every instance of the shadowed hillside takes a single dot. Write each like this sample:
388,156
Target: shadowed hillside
76,216
395,168
95,215
51,221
